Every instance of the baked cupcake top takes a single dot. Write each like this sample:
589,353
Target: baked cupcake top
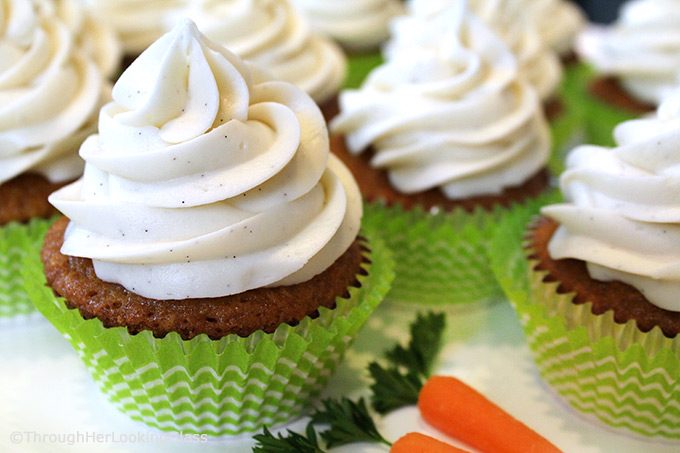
538,64
49,94
206,179
448,109
622,209
137,22
94,37
642,49
274,35
357,25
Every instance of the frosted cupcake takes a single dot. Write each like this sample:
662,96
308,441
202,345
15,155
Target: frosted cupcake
445,125
636,63
273,34
558,23
96,39
358,25
600,308
51,92
137,22
212,246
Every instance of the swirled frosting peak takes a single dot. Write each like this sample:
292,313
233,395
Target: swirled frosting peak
206,180
510,19
355,24
273,34
448,109
622,210
642,48
49,94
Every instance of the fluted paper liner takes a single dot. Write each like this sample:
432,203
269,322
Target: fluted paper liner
440,258
16,241
217,387
625,378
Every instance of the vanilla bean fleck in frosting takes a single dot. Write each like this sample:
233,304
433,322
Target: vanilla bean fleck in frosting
274,35
642,49
622,209
357,25
207,179
49,94
448,109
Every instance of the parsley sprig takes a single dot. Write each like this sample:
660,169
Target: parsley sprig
349,422
398,384
292,442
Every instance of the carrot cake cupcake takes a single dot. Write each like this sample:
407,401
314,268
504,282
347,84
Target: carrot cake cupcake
212,227
51,92
446,124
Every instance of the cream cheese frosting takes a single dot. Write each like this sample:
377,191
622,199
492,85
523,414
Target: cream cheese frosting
622,209
206,179
448,109
356,24
94,37
274,35
509,19
558,22
49,95
137,22
642,48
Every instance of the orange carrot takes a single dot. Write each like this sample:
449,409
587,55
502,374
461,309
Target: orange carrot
460,411
420,443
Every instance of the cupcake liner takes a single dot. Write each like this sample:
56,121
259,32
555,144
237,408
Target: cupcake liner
359,66
16,241
440,258
625,378
218,387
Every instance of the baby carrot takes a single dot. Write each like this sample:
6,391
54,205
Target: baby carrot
460,411
420,443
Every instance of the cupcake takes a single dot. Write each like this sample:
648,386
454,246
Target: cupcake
210,274
636,63
274,35
138,23
96,39
600,306
51,93
444,139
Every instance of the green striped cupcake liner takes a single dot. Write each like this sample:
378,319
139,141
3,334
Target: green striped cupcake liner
621,376
441,258
17,240
219,387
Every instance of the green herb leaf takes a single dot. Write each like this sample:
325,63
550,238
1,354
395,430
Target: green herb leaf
349,422
392,388
291,443
399,383
426,339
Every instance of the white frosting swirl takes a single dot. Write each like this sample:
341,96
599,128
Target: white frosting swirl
622,214
49,95
356,24
447,110
558,22
205,181
272,34
137,22
538,63
96,39
642,48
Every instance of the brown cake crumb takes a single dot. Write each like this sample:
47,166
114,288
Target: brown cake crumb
610,91
25,197
375,186
553,108
242,314
624,300
330,108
